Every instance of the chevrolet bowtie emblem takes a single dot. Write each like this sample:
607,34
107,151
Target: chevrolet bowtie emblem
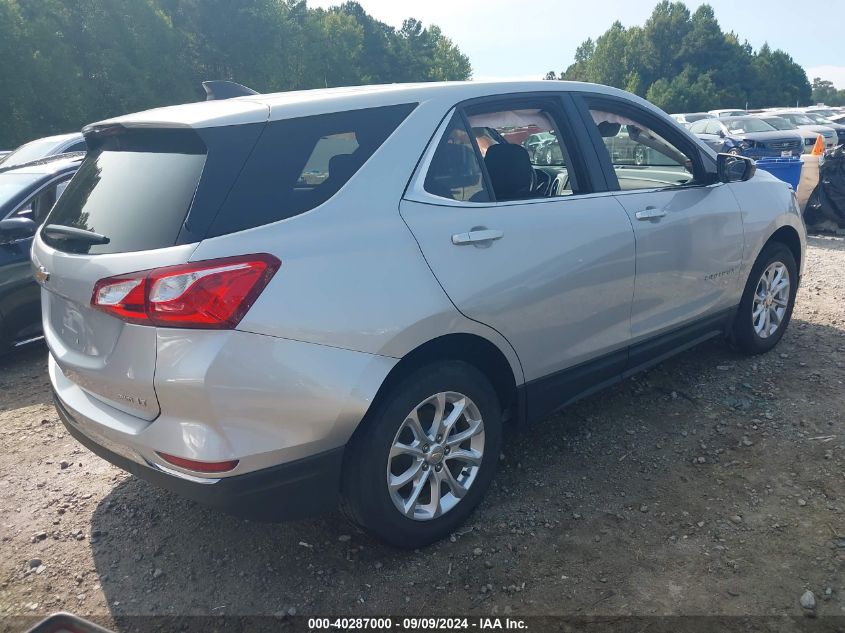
42,275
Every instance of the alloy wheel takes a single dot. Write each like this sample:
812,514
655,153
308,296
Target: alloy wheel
639,156
435,456
771,299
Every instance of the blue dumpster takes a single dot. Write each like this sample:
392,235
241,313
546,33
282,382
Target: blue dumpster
787,169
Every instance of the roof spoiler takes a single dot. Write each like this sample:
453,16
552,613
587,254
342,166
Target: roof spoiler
221,89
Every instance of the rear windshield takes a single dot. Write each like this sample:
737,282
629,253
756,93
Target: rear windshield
135,189
780,124
300,163
745,126
29,152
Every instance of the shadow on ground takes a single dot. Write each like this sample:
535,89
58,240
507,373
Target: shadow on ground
23,378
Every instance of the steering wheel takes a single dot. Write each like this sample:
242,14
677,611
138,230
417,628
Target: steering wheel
543,182
558,184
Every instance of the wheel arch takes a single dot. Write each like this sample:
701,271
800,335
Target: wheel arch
473,349
788,236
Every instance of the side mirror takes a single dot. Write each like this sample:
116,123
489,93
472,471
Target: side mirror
14,229
732,168
721,134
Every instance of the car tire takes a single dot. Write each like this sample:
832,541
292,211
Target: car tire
639,156
734,151
766,307
377,457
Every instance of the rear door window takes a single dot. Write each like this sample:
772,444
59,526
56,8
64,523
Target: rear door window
504,151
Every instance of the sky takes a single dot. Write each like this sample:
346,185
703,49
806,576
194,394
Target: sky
518,39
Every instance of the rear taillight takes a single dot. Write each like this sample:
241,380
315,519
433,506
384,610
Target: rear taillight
211,294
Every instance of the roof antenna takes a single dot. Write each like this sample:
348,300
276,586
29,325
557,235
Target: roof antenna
220,89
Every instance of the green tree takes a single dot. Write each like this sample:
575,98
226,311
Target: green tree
684,61
583,54
668,25
64,63
825,92
778,80
607,65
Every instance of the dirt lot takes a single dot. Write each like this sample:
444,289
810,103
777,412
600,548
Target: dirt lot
713,484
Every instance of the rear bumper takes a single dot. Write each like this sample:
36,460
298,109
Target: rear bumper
293,490
231,395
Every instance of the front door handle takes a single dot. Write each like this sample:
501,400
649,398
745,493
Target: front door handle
477,237
650,213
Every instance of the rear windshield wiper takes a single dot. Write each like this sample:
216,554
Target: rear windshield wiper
62,232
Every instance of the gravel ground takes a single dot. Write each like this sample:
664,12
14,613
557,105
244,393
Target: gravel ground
713,484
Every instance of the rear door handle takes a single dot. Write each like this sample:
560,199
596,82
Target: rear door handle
650,213
476,237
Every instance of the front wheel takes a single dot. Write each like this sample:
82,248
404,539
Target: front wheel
767,301
425,457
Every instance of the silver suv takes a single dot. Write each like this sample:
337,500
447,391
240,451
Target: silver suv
278,303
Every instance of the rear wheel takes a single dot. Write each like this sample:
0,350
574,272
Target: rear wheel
639,155
426,456
767,301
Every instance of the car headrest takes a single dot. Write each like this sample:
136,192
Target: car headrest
510,170
608,129
341,167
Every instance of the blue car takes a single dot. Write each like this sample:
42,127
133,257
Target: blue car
27,193
748,136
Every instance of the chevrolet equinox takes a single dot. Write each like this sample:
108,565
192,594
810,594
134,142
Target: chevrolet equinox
277,304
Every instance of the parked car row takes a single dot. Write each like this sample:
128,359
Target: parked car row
838,126
774,132
747,136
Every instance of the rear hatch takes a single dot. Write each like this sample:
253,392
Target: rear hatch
149,193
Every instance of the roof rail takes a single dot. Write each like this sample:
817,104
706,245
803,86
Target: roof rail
220,89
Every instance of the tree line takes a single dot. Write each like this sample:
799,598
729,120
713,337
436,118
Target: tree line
825,92
684,62
65,63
